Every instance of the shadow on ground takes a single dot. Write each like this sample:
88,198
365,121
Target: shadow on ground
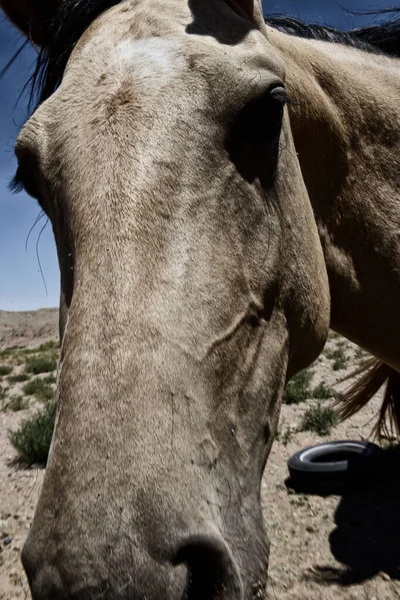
366,539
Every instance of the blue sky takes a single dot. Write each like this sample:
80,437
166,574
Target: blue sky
21,284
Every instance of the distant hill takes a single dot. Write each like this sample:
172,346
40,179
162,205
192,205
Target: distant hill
28,328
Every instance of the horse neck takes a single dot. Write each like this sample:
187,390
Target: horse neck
346,126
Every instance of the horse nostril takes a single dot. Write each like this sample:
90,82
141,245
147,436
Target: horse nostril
212,571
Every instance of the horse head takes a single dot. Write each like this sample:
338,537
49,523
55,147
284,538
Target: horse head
192,285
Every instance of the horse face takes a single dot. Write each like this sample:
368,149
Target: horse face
192,283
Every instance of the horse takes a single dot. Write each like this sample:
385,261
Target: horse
222,191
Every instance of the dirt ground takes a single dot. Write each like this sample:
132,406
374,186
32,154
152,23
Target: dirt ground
322,548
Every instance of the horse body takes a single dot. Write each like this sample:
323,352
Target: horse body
194,251
346,127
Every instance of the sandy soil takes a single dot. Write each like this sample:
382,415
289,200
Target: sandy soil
322,548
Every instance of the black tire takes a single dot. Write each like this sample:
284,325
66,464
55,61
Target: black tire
333,465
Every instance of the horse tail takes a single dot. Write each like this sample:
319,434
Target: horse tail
373,375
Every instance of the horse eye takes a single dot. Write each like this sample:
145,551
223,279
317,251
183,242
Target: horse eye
279,94
260,118
28,176
253,135
23,180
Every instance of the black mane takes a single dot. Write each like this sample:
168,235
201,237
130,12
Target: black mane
71,21
383,38
75,16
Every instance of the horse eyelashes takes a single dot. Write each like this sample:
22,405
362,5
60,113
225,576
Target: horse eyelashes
21,182
280,95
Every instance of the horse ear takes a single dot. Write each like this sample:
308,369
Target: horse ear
250,9
31,16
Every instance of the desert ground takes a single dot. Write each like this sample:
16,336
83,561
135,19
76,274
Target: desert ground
322,548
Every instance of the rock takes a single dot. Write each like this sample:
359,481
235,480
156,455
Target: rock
6,540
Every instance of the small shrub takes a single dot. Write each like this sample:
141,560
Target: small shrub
10,351
298,388
323,392
40,364
361,356
19,378
5,370
50,379
340,363
333,335
16,403
286,436
51,345
38,388
319,419
2,398
339,357
32,439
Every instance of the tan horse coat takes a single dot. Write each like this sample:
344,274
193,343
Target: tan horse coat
196,236
346,126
